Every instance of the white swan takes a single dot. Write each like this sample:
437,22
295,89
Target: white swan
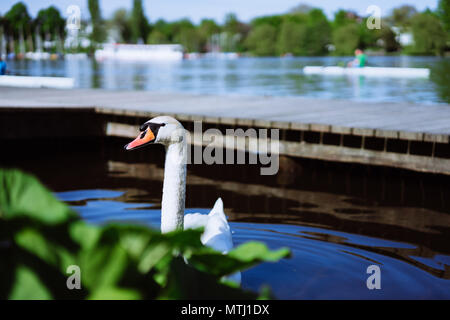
170,133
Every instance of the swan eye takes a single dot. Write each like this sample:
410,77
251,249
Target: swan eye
143,127
146,125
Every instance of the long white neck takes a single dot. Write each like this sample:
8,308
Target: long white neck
174,188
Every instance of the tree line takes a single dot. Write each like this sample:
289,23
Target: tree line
303,31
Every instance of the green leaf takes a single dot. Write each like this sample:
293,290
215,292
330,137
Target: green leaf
257,251
152,256
103,264
185,282
28,286
22,195
42,237
84,234
114,293
240,258
34,242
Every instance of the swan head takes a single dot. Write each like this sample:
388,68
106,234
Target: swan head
164,130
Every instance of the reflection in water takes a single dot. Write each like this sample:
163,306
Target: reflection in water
95,82
440,75
337,218
252,76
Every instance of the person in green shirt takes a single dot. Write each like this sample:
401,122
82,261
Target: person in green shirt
360,60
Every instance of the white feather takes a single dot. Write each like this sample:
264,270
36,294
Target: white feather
217,233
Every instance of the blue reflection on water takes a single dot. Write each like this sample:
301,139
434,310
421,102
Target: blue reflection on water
325,264
79,195
251,76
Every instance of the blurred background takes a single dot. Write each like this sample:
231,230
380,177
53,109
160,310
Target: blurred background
208,48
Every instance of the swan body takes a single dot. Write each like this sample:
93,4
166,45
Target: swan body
169,132
217,233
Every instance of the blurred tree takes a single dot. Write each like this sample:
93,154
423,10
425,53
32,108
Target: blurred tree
301,8
5,29
232,24
402,16
185,33
388,38
318,33
429,35
291,38
208,27
121,22
342,18
50,22
177,26
157,37
440,76
367,37
165,28
206,30
189,39
3,24
98,34
274,21
17,18
262,40
234,34
304,34
300,18
138,23
444,14
346,39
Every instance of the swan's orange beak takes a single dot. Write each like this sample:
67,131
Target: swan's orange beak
142,139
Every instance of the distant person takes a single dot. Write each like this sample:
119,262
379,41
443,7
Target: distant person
360,60
2,67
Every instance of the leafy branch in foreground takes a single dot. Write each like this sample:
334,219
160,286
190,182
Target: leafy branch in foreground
40,237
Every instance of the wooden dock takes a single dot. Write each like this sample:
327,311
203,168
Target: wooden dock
403,135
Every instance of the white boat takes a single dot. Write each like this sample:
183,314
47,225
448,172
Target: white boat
37,82
75,56
140,52
38,55
369,71
221,55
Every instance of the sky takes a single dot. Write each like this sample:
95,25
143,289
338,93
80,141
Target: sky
197,9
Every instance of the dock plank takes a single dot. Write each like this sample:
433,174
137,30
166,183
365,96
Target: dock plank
339,115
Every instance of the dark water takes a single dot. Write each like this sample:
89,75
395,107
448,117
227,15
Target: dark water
337,219
253,76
